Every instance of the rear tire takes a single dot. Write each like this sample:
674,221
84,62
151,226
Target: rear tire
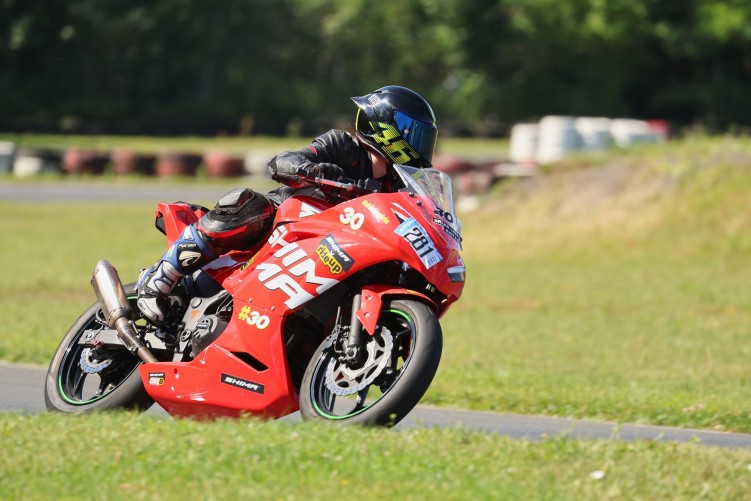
404,354
69,388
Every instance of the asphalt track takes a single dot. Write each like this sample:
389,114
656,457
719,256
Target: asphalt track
22,390
22,386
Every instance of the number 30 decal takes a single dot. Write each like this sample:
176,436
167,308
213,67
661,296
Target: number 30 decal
253,318
352,218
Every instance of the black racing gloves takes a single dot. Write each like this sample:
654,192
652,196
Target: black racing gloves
327,171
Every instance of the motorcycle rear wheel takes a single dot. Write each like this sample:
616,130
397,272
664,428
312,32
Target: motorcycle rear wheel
110,380
403,356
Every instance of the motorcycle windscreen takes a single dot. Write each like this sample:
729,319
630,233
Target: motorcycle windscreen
433,184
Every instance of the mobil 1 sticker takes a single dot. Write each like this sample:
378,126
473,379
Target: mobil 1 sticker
421,243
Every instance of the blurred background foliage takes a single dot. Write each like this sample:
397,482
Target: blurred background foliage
245,67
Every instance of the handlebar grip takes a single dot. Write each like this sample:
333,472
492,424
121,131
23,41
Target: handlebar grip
341,185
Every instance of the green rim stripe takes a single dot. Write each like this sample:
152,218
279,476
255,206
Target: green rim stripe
75,402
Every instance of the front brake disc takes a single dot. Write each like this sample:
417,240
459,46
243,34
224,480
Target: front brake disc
342,380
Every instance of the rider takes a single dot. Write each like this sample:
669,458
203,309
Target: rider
393,125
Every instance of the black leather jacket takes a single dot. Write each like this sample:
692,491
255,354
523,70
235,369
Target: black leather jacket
334,147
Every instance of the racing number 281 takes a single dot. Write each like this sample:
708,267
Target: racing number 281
418,241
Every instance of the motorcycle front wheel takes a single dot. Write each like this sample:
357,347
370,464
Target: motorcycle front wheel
399,363
83,378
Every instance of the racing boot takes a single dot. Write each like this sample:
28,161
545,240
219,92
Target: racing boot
189,253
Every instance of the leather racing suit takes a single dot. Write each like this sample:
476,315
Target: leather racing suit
242,217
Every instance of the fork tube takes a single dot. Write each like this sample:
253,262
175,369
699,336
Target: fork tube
354,340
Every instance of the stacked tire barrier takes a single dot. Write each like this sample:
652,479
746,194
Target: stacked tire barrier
554,137
34,161
26,162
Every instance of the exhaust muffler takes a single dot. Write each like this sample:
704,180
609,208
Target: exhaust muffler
116,308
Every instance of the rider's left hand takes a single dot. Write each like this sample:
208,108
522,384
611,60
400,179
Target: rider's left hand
327,171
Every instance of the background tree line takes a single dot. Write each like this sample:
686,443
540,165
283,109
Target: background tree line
289,66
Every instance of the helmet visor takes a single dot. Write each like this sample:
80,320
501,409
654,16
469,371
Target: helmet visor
421,136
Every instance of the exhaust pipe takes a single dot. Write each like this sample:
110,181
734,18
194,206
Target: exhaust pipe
116,308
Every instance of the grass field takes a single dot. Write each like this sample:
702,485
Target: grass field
618,292
615,286
143,457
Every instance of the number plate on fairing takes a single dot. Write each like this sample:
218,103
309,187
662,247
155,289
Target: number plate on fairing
421,243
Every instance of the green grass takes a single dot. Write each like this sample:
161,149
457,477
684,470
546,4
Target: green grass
617,292
116,455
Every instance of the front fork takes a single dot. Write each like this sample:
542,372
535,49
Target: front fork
366,311
354,343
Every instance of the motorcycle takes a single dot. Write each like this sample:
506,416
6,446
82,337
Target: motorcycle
334,312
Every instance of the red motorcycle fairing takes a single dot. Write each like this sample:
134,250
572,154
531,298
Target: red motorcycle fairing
172,218
312,248
219,383
296,208
372,302
306,257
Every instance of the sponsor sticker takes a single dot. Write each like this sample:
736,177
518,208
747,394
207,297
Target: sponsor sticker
294,262
333,256
247,263
156,378
242,383
421,243
448,229
377,213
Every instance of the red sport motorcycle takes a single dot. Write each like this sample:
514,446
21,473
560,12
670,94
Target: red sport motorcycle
335,313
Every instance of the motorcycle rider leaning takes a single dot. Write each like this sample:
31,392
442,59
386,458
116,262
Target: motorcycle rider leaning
393,125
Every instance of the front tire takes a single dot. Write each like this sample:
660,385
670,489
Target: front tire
402,358
81,379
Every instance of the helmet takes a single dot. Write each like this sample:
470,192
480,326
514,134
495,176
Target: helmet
399,124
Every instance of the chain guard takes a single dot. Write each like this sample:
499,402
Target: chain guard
338,374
